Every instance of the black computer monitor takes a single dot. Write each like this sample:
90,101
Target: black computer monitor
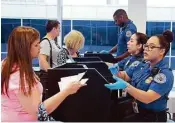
104,57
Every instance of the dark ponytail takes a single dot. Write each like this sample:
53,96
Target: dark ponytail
168,35
165,39
141,39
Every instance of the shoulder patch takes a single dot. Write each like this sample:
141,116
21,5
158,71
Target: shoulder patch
134,64
128,33
160,78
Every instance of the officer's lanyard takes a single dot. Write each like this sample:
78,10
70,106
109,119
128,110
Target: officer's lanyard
126,65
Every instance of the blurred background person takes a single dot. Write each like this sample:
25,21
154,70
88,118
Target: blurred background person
74,41
128,28
51,54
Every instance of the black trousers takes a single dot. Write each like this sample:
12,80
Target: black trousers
148,116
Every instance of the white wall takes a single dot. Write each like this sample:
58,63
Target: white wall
28,11
161,13
90,12
138,9
101,12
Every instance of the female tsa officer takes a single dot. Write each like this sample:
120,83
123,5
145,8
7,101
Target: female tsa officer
151,83
135,48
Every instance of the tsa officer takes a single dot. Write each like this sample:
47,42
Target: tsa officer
127,29
135,48
151,84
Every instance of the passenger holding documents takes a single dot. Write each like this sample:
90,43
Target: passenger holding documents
151,82
21,90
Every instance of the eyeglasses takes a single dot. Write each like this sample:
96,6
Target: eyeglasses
149,47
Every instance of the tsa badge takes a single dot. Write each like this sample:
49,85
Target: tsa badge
135,107
134,64
128,33
160,78
148,80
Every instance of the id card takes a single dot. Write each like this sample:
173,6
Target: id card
135,107
124,93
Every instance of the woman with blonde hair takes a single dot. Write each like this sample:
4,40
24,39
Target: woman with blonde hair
74,41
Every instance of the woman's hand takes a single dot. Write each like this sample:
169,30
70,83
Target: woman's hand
73,87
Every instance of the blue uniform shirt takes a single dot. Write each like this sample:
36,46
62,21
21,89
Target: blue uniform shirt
125,34
130,61
161,83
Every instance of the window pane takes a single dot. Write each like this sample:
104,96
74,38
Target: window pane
38,24
173,42
7,25
172,63
154,28
66,28
99,35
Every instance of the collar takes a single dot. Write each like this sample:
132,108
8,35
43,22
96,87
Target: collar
138,56
126,23
161,64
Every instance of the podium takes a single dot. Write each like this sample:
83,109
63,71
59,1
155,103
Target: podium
100,66
86,59
91,103
103,57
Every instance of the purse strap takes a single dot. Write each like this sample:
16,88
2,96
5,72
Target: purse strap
51,64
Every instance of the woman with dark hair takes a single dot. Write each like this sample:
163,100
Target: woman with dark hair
151,82
21,91
135,48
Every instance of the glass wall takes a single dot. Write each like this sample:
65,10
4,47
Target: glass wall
7,25
99,35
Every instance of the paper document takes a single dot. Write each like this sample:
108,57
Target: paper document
75,78
83,81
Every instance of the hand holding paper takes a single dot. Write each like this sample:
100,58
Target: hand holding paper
76,79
